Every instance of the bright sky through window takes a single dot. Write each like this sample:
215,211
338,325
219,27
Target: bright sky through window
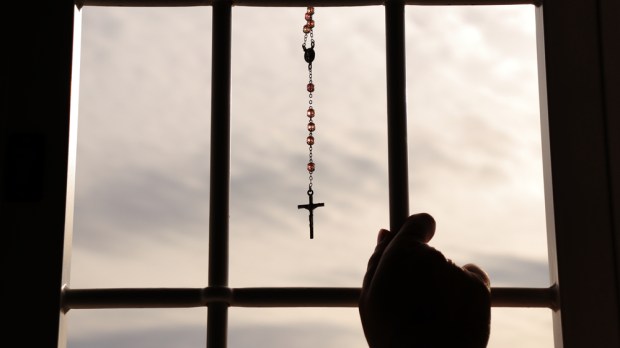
141,215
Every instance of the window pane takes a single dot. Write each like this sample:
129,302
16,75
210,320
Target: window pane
475,152
295,328
137,328
270,243
141,211
141,207
519,327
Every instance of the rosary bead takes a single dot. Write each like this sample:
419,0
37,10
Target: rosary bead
310,10
310,23
307,29
308,16
310,140
310,167
310,87
311,126
310,113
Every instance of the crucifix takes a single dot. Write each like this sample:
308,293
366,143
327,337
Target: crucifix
310,206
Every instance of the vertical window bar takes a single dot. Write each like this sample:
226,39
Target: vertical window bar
396,112
220,170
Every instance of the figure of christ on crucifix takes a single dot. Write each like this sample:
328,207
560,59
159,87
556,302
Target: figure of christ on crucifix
310,206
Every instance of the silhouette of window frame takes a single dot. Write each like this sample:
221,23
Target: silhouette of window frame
578,80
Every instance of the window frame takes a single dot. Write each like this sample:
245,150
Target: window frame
579,80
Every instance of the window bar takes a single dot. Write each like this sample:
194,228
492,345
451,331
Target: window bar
269,297
217,319
396,113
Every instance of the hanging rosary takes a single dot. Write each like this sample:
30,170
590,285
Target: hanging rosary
309,57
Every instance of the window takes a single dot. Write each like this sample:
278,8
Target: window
573,192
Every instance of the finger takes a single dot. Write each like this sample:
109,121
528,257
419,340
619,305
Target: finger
419,227
383,233
383,240
478,273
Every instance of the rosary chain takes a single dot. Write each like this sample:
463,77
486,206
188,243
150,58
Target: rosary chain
309,57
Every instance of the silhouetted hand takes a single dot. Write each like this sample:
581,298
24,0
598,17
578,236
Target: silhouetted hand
413,297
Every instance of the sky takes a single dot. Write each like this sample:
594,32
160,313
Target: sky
142,174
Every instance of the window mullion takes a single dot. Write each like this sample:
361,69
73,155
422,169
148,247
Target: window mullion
396,113
220,170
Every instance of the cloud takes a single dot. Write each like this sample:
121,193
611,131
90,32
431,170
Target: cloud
140,201
515,271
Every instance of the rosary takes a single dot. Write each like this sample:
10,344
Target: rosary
309,57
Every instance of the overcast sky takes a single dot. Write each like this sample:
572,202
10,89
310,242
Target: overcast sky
141,214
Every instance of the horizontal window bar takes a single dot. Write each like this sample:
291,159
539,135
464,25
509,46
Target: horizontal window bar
267,297
295,3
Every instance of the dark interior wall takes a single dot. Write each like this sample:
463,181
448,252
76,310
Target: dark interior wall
33,165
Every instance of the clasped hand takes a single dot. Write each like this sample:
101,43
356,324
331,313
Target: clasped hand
413,297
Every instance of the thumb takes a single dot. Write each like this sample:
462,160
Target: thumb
419,227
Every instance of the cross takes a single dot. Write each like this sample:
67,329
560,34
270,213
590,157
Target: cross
310,206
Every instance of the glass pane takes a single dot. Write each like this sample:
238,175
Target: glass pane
141,211
295,328
135,328
475,151
519,327
270,243
141,208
